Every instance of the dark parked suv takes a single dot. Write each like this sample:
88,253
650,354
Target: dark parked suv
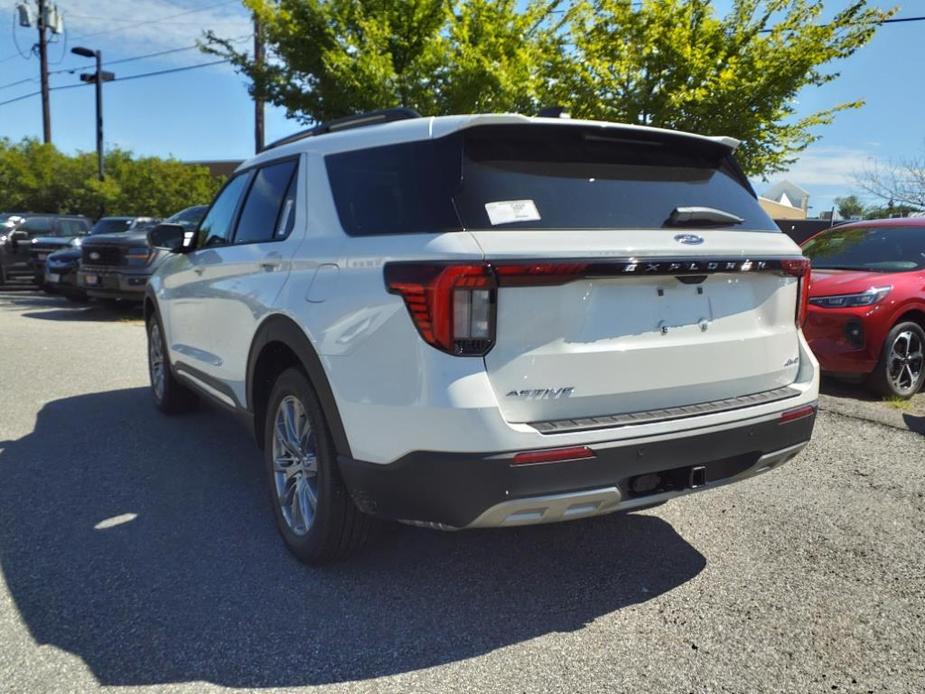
16,243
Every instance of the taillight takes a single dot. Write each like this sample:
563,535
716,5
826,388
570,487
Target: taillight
800,268
452,306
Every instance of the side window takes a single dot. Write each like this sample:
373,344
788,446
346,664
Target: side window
36,226
71,227
215,229
269,205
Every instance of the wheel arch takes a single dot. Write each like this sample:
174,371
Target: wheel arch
278,344
911,314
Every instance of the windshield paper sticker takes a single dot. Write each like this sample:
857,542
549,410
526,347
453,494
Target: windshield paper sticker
507,211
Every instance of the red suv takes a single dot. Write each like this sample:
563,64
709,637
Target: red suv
866,312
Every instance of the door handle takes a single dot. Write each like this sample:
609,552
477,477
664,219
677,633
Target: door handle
199,270
270,265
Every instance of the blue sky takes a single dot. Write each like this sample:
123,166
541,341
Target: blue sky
206,114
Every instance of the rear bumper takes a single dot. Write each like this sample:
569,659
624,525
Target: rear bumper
462,490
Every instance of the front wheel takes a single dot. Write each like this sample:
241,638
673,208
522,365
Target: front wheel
170,396
901,368
314,512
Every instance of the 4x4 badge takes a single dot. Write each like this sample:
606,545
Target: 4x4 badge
689,239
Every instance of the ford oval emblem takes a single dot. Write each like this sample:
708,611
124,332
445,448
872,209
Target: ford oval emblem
689,239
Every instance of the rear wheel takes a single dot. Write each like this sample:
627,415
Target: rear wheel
901,368
314,512
170,396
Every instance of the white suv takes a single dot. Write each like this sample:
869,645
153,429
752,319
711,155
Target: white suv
487,320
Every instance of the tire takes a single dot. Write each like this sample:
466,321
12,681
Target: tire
76,297
170,396
901,369
334,527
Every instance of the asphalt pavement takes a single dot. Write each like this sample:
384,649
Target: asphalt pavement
139,550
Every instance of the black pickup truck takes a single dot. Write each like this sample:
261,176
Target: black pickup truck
117,266
58,264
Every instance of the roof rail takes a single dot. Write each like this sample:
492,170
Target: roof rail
385,115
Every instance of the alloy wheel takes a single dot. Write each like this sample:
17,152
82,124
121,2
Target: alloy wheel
156,359
904,366
295,465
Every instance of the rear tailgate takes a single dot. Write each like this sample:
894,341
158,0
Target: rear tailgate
638,335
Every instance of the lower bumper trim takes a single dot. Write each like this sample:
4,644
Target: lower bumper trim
460,490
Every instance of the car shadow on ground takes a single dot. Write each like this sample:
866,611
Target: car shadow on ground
36,304
146,546
916,424
829,385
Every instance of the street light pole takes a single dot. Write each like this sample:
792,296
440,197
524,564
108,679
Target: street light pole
99,116
97,78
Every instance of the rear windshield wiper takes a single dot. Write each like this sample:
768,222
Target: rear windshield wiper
681,216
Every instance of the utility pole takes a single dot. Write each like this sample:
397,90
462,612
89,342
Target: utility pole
43,67
258,102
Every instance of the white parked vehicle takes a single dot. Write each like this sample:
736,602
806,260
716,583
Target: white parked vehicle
487,320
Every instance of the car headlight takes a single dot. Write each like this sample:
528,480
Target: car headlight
139,255
868,298
76,242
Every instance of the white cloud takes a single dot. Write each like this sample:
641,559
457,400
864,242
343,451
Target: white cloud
128,28
828,166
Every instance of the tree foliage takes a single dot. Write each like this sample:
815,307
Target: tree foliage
37,177
339,57
849,207
669,63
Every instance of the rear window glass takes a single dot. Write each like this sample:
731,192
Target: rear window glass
537,177
877,249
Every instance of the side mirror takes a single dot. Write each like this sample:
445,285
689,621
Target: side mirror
172,237
19,236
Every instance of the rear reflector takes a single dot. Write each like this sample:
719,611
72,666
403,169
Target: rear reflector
556,455
797,413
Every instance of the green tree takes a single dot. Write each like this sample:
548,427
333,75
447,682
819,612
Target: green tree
849,207
39,178
669,63
338,57
676,64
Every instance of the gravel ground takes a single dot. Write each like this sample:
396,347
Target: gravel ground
140,551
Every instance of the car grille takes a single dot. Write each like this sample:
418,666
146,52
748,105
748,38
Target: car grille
102,255
46,248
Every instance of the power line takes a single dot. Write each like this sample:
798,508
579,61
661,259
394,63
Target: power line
155,21
119,79
117,62
895,20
